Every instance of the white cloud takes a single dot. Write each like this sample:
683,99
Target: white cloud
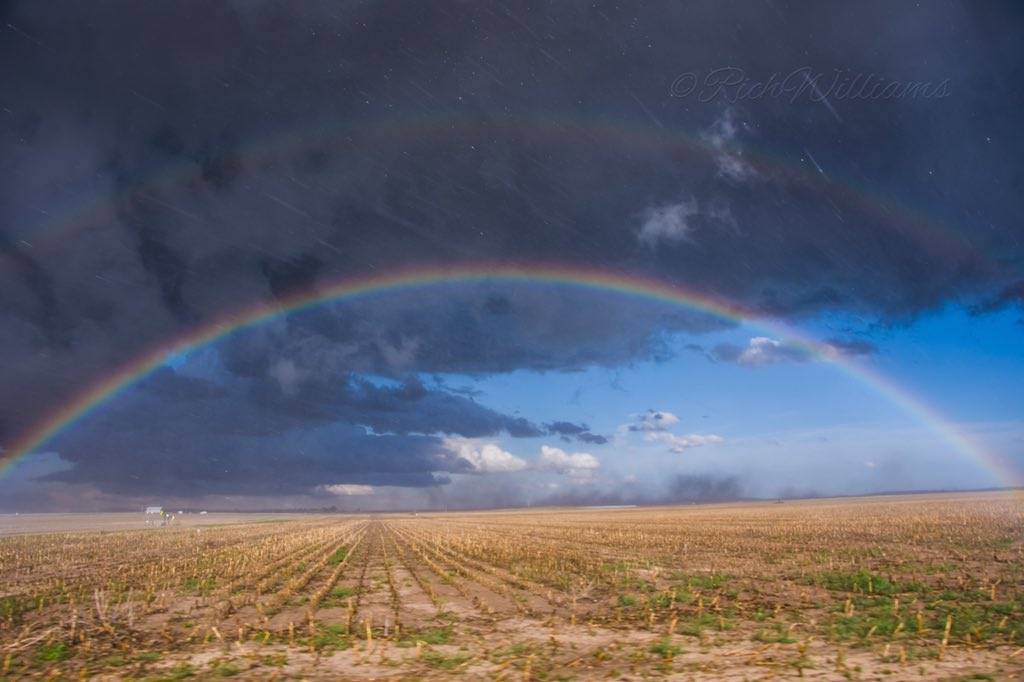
722,136
668,223
723,131
561,461
288,376
656,426
578,466
654,420
761,351
347,489
678,222
680,443
484,458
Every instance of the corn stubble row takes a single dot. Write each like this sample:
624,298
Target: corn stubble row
888,574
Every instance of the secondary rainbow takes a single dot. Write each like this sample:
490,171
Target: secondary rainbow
630,285
929,232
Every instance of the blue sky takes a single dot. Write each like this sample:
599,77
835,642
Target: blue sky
798,424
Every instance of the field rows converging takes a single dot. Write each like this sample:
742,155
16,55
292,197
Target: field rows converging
925,584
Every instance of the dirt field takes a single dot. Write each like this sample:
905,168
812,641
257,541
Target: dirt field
13,524
924,587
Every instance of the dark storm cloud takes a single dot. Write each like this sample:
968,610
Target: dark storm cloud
155,461
40,307
1012,295
179,435
593,438
566,428
410,407
450,329
163,169
581,432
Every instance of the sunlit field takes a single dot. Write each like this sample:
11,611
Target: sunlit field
925,586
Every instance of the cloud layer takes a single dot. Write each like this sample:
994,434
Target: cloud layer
163,171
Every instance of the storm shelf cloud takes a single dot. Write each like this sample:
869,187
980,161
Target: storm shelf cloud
165,172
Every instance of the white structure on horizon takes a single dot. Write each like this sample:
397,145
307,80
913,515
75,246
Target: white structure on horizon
154,510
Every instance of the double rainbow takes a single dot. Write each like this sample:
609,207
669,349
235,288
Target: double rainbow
931,232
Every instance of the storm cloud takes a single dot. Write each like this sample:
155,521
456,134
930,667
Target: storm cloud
165,170
581,432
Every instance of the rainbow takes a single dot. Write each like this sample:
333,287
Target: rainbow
932,233
628,285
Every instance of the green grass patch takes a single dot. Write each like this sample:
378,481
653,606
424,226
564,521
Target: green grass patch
665,648
980,622
12,607
860,581
436,659
517,650
338,556
694,627
774,635
330,637
434,635
977,622
200,586
53,653
861,625
342,592
659,601
226,669
178,672
711,581
677,596
708,582
627,600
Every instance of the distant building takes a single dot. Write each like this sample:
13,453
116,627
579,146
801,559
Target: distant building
154,510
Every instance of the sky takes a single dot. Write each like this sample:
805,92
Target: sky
842,179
